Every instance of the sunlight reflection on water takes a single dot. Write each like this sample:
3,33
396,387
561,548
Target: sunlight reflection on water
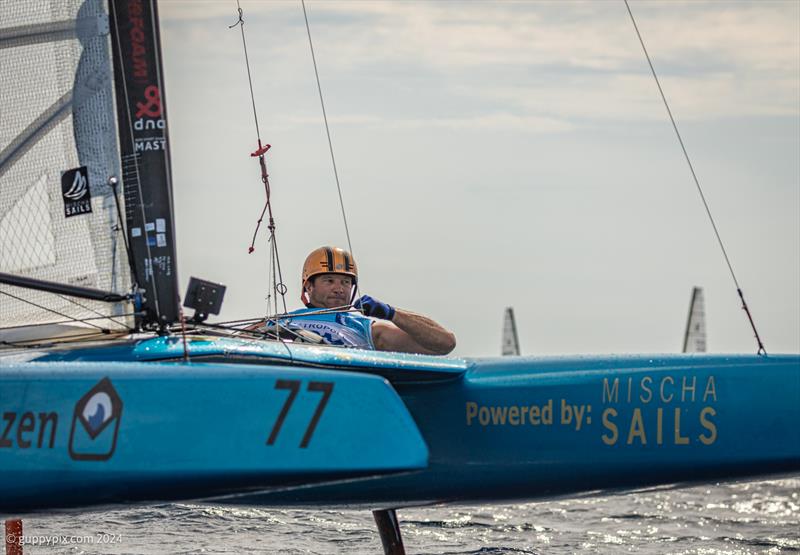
755,517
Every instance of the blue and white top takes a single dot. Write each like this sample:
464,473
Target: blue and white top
336,328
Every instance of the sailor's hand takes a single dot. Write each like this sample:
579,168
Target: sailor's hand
375,308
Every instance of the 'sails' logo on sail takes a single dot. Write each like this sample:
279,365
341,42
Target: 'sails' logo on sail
75,191
95,423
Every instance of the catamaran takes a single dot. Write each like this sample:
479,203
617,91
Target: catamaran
109,395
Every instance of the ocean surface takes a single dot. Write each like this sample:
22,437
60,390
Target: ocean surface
741,518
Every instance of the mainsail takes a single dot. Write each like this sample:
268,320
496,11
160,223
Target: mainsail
694,339
60,162
58,149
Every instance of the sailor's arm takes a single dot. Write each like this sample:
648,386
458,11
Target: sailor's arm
405,331
409,332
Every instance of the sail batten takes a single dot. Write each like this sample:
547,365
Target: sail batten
36,33
51,117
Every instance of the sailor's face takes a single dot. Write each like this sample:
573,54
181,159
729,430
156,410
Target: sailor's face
329,290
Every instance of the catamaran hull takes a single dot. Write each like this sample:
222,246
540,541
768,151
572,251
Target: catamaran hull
252,423
536,428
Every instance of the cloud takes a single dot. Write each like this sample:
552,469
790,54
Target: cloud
592,35
548,65
500,120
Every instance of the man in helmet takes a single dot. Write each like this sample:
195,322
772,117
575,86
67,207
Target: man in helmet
329,282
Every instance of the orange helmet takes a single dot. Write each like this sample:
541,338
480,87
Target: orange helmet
328,260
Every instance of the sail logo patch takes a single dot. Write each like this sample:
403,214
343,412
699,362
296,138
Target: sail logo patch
153,107
149,124
95,423
75,191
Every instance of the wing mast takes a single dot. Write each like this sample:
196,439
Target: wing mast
144,151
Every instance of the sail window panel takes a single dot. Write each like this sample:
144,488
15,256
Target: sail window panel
34,79
26,236
41,165
39,241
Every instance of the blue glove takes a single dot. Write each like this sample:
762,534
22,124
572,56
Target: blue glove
375,308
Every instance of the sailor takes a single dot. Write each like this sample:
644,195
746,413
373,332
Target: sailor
329,283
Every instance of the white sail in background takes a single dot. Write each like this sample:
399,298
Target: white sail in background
694,339
510,339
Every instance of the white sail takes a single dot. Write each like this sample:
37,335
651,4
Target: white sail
510,338
58,149
694,338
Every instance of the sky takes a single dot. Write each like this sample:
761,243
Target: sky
497,154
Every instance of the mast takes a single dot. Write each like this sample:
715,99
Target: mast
144,151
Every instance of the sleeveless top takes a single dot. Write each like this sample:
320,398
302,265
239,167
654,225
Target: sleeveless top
337,328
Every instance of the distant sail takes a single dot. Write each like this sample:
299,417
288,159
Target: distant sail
510,338
694,339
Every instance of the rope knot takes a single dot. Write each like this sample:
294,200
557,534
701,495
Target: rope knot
240,22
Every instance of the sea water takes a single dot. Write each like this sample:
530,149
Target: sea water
741,518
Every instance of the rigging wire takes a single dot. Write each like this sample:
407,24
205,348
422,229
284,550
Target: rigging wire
48,341
327,130
275,271
277,287
113,182
761,349
248,321
70,318
70,321
183,333
240,23
93,311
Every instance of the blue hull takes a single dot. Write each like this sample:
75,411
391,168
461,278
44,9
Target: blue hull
260,423
599,424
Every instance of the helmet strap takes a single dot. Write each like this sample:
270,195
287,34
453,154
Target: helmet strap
304,298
